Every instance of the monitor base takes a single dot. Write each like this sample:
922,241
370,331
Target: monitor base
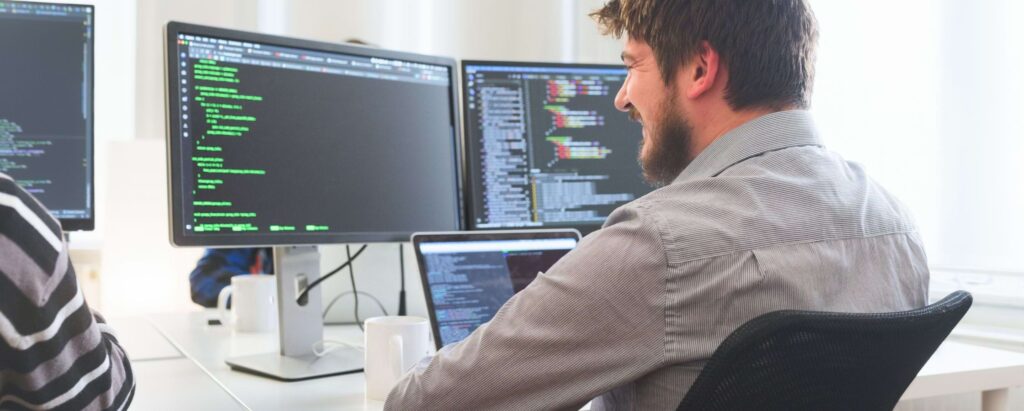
279,367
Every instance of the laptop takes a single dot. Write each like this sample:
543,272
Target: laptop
468,276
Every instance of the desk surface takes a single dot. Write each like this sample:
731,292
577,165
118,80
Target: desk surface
955,368
209,345
178,384
959,368
141,340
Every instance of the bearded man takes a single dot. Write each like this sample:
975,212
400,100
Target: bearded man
753,215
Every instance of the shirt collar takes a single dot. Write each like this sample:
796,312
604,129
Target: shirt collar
770,132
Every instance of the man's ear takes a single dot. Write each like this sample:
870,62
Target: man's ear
703,71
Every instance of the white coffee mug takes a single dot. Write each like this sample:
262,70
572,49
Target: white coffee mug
253,303
393,345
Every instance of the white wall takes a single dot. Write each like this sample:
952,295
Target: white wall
141,272
590,45
525,29
982,139
926,95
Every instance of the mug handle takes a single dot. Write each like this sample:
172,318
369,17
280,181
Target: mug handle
222,305
395,358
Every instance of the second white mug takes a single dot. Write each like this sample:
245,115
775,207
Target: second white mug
393,345
253,303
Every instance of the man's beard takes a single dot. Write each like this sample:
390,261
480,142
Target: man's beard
669,153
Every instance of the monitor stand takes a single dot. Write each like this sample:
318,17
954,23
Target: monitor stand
300,325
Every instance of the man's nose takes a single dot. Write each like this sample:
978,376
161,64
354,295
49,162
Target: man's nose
621,101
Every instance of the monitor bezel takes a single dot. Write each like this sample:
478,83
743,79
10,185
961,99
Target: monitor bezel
175,195
89,223
483,235
468,205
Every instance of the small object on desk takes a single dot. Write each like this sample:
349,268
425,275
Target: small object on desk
213,321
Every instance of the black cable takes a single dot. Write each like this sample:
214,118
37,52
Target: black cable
338,297
355,294
401,270
348,263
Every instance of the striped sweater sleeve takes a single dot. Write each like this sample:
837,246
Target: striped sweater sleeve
55,353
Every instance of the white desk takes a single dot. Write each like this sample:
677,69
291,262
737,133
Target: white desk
208,346
961,368
141,340
955,368
178,384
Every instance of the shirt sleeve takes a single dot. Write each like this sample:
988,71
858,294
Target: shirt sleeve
594,321
54,351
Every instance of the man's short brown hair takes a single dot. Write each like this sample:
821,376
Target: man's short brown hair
767,46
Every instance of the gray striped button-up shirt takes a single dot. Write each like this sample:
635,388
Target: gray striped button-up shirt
765,218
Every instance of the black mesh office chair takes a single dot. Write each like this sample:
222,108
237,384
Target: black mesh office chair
805,360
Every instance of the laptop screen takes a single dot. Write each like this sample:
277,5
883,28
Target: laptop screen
467,281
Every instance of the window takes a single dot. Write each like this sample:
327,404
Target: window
927,96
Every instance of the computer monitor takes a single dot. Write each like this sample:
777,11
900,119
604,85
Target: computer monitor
46,106
277,141
545,146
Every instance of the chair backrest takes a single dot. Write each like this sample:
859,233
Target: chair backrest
806,360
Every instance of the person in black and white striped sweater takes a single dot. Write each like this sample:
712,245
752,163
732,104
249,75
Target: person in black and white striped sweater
55,352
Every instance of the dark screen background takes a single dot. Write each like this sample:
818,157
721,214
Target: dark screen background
354,154
468,288
616,133
619,133
44,90
523,266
